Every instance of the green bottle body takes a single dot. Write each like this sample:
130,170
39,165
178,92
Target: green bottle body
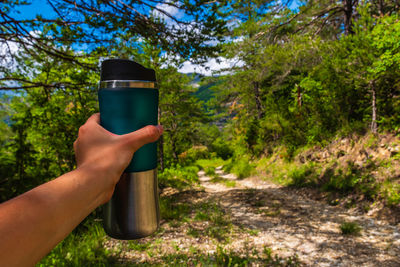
133,211
124,110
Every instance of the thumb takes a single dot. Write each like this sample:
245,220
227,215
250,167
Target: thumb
145,135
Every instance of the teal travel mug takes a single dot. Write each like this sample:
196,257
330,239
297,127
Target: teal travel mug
128,101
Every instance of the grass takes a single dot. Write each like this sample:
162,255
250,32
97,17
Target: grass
226,182
303,175
176,213
252,232
209,171
330,177
241,166
210,163
228,258
273,210
139,245
391,192
350,228
171,210
83,247
219,226
179,177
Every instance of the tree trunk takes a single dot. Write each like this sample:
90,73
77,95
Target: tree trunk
381,7
260,109
161,152
174,154
160,145
299,100
348,8
374,126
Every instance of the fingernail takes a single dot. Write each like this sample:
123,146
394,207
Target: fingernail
160,129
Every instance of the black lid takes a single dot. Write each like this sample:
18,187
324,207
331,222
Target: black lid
124,69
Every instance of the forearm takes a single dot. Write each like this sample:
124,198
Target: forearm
44,216
35,222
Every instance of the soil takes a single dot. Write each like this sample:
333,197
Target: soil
257,215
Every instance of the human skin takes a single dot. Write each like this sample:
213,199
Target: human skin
35,222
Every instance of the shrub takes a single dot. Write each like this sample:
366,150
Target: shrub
209,170
179,177
351,179
303,175
221,148
391,193
240,166
82,248
210,163
194,153
350,228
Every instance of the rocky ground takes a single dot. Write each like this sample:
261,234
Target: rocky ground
227,221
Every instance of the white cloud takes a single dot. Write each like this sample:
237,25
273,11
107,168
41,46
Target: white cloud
7,51
211,67
169,9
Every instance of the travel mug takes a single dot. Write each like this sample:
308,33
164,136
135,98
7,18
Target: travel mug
128,101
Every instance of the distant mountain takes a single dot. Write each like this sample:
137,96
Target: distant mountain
203,92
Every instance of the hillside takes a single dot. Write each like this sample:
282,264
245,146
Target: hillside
359,172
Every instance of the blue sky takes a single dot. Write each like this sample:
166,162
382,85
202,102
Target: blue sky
42,7
36,7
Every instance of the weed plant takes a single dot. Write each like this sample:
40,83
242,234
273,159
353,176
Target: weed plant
240,166
226,182
229,258
210,163
82,248
350,228
179,177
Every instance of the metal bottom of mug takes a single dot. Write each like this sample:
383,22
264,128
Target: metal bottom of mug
133,211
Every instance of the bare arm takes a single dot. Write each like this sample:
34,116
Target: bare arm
36,221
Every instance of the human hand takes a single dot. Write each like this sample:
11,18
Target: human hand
107,154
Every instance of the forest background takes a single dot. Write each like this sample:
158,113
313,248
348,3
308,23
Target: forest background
297,77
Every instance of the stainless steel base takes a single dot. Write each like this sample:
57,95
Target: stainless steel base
133,211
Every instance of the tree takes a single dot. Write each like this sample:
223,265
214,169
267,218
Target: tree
187,30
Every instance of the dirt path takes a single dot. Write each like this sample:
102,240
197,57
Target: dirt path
247,216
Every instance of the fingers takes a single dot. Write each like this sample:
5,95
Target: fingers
94,118
145,135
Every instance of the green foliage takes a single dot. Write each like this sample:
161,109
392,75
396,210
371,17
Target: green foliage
209,171
329,177
350,228
226,182
210,163
219,226
44,124
391,193
240,166
352,179
139,245
82,248
179,177
215,140
182,116
230,258
170,210
221,147
303,175
300,89
190,156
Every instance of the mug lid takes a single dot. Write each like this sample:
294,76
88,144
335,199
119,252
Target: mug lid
124,69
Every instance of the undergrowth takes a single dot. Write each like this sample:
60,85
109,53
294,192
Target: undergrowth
240,166
179,177
331,177
350,228
82,248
